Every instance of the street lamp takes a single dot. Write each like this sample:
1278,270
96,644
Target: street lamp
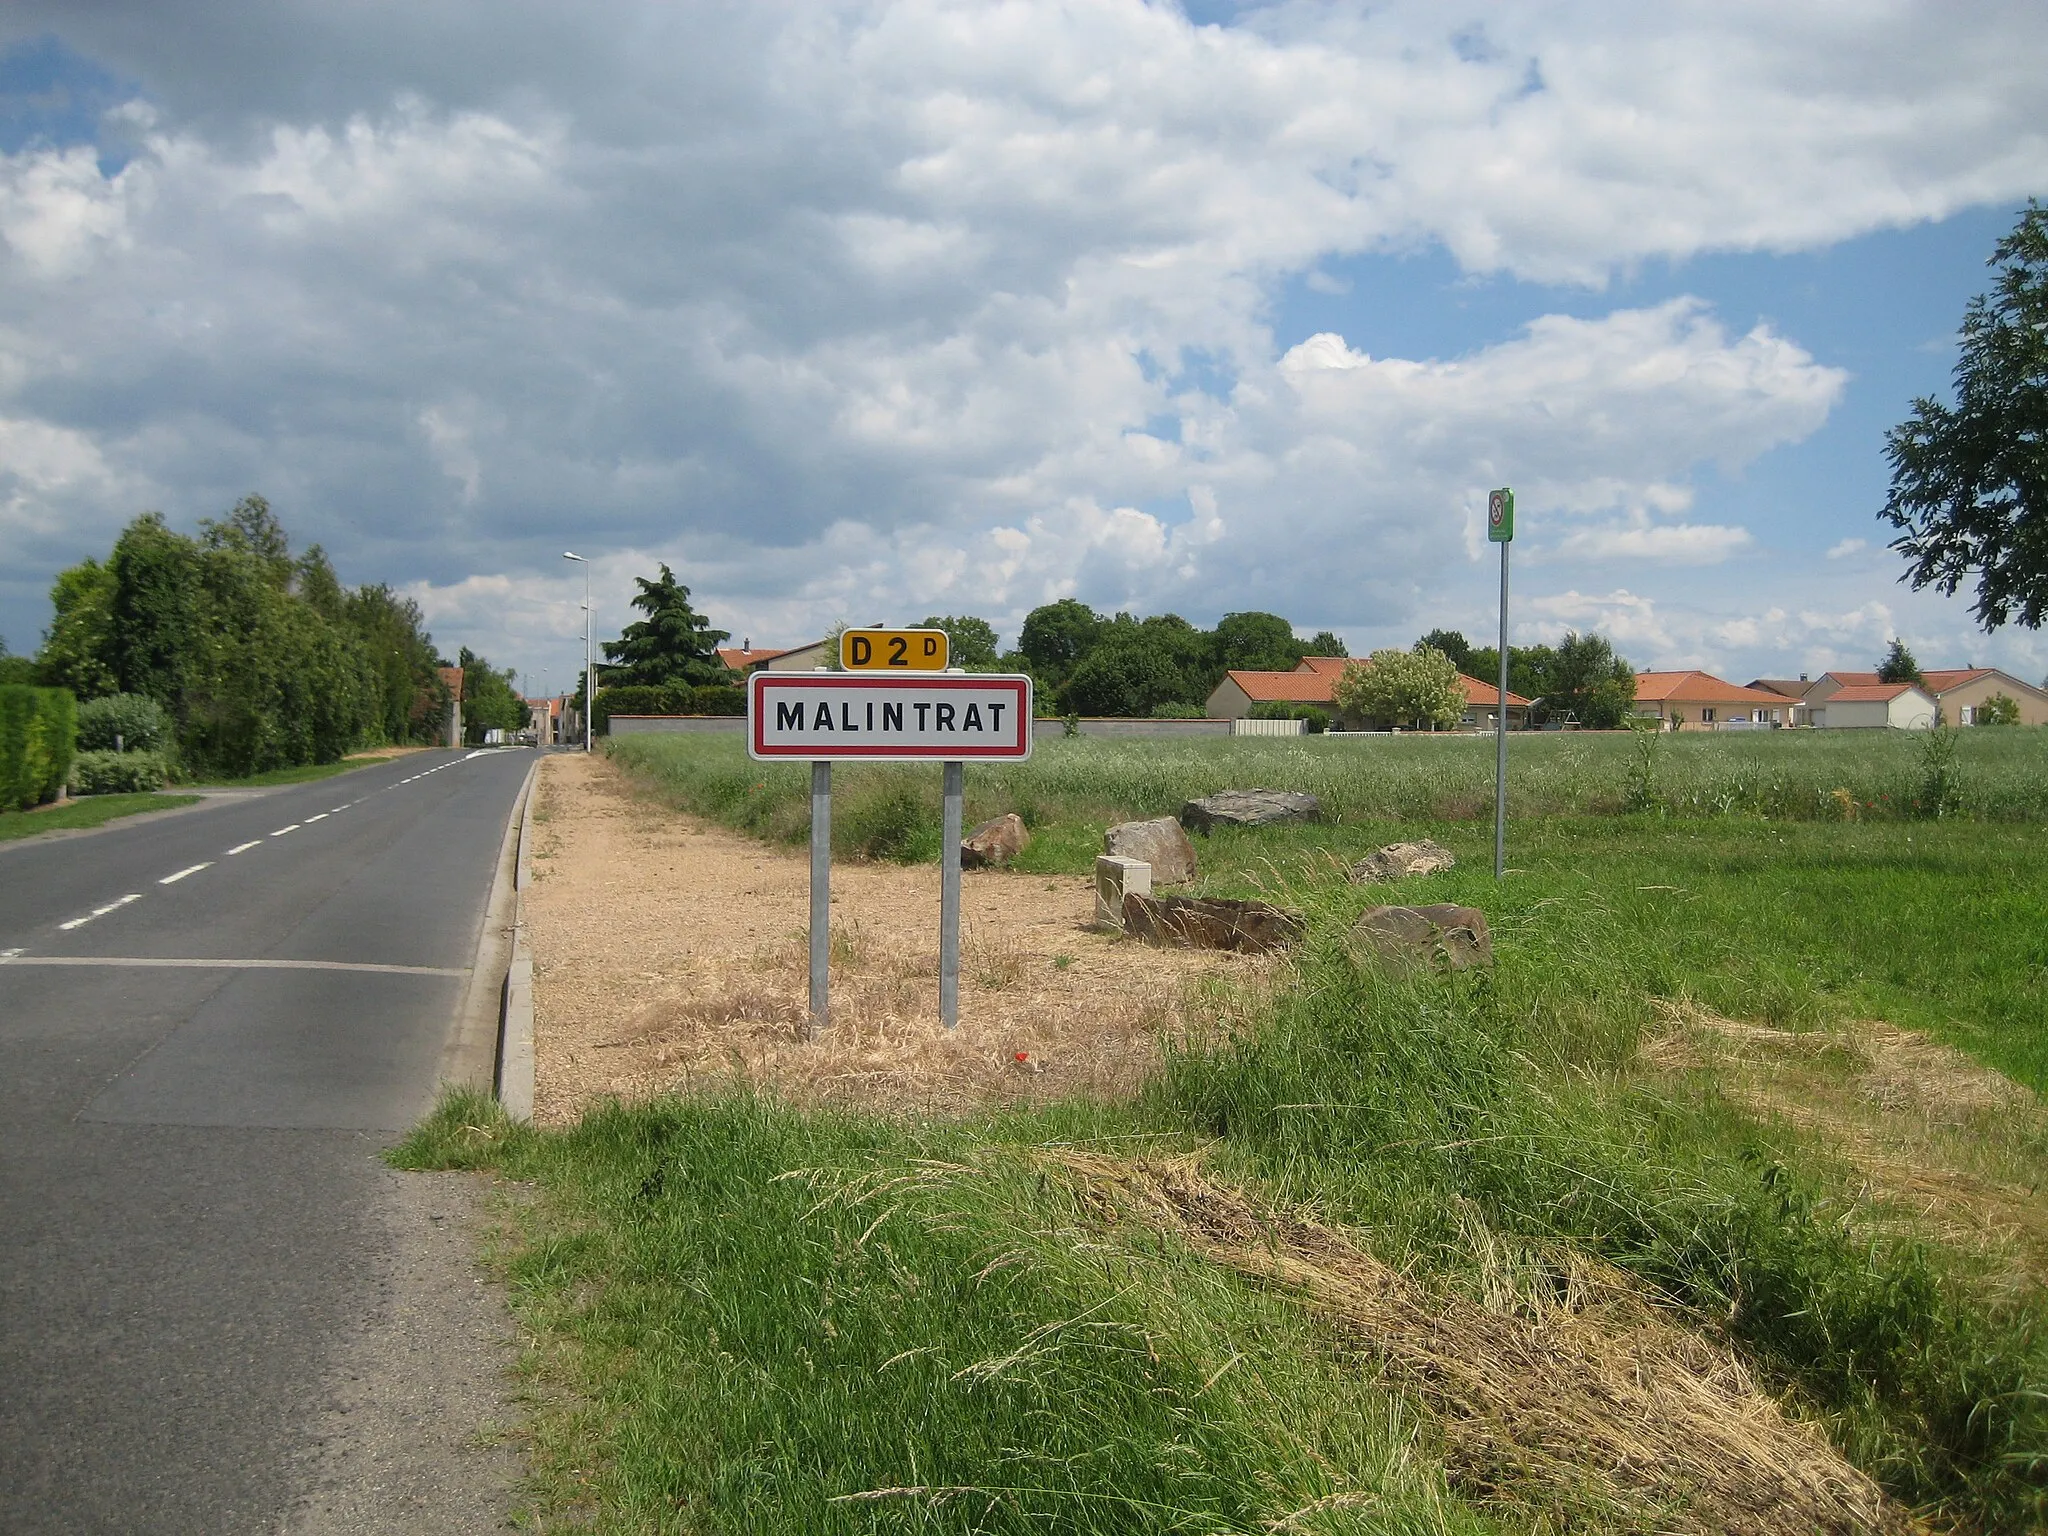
589,677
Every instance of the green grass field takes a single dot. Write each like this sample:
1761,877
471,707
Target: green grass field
94,811
753,1317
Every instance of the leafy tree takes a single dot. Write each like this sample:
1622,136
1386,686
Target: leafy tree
1055,637
1999,709
411,700
673,644
1970,483
77,647
1898,665
1327,643
1588,681
489,701
1419,687
154,623
1457,647
16,670
1136,666
970,642
1254,642
1529,669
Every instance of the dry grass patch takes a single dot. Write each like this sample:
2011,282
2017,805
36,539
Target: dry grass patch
668,952
1560,1386
1957,1148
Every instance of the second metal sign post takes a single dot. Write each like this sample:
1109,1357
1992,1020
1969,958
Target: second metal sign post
828,717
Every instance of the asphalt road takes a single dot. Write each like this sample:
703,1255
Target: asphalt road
195,1233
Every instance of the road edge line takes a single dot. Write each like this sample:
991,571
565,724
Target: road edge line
469,1058
515,1074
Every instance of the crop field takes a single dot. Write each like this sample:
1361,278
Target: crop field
1715,1205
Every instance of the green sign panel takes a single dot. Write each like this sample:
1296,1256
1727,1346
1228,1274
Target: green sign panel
1500,516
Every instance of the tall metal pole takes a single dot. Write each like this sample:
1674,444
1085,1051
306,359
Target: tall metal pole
821,892
1500,733
949,899
589,671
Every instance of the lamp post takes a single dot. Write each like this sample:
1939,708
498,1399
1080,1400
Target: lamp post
589,681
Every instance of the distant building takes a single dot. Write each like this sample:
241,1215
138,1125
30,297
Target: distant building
1900,706
747,657
1314,682
1958,692
1698,699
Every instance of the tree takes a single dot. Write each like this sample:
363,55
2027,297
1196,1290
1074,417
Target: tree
1417,688
1327,643
77,645
1055,637
1589,682
1969,487
1898,665
1529,670
489,701
1456,646
970,642
1254,642
1999,709
15,669
1137,665
673,644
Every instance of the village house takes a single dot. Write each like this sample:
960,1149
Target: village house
1900,706
1677,700
1958,692
1314,682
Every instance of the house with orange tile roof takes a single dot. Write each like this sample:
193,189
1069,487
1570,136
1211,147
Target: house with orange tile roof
1699,700
1958,692
1314,682
1901,706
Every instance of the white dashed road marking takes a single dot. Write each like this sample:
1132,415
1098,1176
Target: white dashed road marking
244,847
321,817
181,874
280,832
112,906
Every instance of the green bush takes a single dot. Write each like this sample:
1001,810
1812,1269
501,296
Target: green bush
122,722
37,726
667,699
117,773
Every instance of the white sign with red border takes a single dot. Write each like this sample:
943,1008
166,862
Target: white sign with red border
824,717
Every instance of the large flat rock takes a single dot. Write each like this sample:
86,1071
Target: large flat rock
1210,922
1249,808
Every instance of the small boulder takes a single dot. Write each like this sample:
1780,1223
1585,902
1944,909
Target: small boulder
1442,936
995,842
1249,808
1160,843
1210,922
1397,861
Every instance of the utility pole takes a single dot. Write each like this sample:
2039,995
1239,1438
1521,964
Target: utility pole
589,672
1500,528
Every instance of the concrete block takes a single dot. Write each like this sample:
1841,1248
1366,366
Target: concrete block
1115,878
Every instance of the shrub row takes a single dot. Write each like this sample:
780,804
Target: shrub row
1317,720
117,773
36,730
672,699
122,722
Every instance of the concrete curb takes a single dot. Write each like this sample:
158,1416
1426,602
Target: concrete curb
470,1058
515,1030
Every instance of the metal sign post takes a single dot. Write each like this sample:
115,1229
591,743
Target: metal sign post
821,893
1500,528
825,717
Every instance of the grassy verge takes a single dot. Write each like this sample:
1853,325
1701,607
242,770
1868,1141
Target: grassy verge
93,811
304,773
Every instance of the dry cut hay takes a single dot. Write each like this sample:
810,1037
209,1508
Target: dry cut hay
1571,1394
1949,1147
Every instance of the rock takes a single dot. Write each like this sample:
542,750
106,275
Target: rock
1116,878
1210,922
1397,861
995,842
1160,843
1442,936
1248,808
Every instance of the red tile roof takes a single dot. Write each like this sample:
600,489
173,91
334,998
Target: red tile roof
738,658
1284,687
1696,687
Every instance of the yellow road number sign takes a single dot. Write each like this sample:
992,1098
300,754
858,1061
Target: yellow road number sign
892,650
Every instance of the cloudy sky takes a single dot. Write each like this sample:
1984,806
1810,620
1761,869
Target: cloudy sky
864,311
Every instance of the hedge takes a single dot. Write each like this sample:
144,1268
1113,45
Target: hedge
116,773
37,726
673,699
122,722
